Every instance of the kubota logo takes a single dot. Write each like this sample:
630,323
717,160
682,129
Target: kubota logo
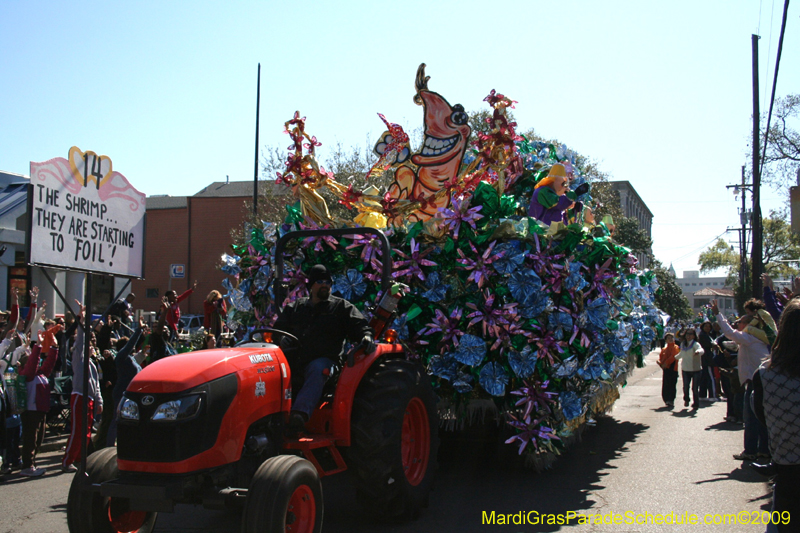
260,358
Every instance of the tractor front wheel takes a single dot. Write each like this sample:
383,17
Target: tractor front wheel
394,439
90,512
285,495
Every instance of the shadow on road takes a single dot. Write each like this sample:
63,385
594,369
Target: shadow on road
724,426
477,475
741,473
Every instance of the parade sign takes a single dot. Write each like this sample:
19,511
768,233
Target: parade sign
85,216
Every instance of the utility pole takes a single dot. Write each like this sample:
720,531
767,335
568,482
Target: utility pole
758,243
744,218
255,170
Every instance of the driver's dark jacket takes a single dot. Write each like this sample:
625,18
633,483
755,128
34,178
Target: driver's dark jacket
322,329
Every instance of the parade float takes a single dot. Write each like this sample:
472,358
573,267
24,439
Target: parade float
515,300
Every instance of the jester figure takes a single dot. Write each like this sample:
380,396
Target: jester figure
439,158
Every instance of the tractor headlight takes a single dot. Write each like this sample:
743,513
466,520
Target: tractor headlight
128,409
179,409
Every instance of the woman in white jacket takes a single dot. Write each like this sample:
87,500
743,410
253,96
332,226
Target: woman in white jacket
690,357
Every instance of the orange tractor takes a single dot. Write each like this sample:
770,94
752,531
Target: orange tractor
209,428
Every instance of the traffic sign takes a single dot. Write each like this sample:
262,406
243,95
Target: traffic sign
177,271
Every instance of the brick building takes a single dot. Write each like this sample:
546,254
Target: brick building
193,231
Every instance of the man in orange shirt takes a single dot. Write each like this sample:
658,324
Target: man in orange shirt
669,365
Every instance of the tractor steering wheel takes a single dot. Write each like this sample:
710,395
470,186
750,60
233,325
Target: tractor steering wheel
294,340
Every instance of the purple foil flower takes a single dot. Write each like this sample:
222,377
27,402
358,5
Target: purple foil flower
371,251
318,242
492,320
447,325
413,263
531,432
535,398
550,348
480,267
453,218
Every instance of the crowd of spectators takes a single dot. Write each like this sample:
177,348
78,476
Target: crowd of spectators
42,370
753,361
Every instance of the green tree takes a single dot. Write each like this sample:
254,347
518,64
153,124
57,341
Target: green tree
628,233
782,160
781,249
669,296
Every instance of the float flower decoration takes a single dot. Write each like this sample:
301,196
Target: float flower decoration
492,320
479,268
412,263
531,432
460,213
447,325
490,289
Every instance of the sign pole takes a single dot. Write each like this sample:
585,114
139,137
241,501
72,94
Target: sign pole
87,350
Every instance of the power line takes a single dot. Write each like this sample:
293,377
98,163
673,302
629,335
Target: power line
774,83
769,47
700,247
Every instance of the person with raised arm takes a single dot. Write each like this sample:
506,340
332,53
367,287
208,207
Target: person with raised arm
94,400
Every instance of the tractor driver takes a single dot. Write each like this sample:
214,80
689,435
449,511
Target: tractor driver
321,323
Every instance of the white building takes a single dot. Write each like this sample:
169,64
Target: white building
724,298
691,283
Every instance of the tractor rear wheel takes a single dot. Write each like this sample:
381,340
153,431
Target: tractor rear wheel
285,495
89,512
394,440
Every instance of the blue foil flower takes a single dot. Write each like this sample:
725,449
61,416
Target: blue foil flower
511,257
598,312
494,379
524,286
537,304
230,264
575,281
443,366
436,289
350,284
471,350
227,285
523,363
615,345
560,322
261,279
463,383
647,335
567,367
570,405
240,301
594,368
245,286
400,326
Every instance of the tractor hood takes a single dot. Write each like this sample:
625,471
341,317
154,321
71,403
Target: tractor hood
181,372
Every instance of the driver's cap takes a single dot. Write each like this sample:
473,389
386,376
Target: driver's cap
318,272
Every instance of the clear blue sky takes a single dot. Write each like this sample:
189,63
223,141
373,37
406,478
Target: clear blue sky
658,92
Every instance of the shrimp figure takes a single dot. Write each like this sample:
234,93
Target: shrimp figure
439,158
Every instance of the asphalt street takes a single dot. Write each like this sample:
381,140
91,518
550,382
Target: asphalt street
641,458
